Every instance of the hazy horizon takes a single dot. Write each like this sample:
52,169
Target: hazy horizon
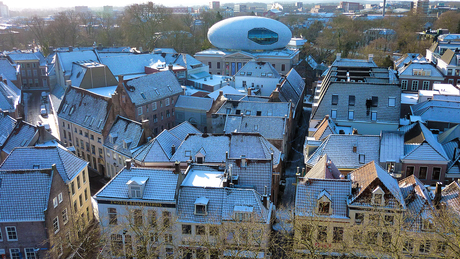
56,4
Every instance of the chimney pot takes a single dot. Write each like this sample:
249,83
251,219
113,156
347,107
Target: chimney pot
177,167
128,164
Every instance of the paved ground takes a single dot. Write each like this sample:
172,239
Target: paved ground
295,160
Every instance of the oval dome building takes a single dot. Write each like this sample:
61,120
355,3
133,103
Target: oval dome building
249,33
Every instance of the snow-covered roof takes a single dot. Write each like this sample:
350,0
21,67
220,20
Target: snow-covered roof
203,176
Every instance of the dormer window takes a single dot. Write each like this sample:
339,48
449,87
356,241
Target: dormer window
242,212
127,143
113,137
243,161
377,196
136,187
324,203
201,206
200,155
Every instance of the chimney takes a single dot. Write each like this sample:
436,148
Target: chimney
146,128
355,132
275,94
128,164
338,56
70,48
41,133
170,67
249,91
221,93
341,176
4,81
303,172
437,194
173,149
265,199
177,167
371,57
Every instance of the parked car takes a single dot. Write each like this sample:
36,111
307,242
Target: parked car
43,112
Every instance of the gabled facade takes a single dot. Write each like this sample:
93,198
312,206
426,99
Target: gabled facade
83,120
357,93
419,75
124,137
423,156
193,109
151,97
449,65
72,170
258,78
33,69
92,74
450,140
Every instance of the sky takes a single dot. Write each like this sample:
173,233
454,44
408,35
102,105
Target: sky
51,4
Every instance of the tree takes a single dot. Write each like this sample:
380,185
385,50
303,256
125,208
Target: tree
448,20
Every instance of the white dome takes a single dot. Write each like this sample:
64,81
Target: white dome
249,33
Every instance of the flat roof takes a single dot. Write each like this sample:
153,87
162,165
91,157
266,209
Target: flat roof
203,178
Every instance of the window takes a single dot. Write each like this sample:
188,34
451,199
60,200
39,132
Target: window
414,85
425,247
351,100
15,253
362,158
409,171
116,244
11,234
334,114
449,72
213,230
391,101
186,229
374,116
210,64
167,102
322,233
73,188
375,101
200,209
335,99
389,219
337,235
78,182
137,217
351,115
80,197
139,111
283,67
323,207
374,219
56,224
168,238
112,216
426,85
1,237
200,230
86,194
30,253
166,219
436,173
359,218
442,247
372,238
386,239
154,106
55,202
262,36
65,218
218,65
422,172
75,206
408,246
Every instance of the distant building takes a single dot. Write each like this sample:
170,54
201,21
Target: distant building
377,33
350,6
81,9
420,6
34,70
193,109
240,8
108,9
419,75
214,5
4,12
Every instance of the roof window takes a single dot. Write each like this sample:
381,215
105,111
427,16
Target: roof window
201,206
136,187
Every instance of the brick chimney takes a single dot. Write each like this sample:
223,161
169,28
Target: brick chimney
146,128
128,164
437,194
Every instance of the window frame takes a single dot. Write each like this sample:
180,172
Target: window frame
391,101
351,100
15,232
113,216
335,99
414,85
56,225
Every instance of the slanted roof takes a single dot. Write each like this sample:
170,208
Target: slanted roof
21,136
182,130
269,127
424,145
407,70
391,146
416,196
309,190
160,187
9,97
7,124
451,196
292,88
66,59
216,146
25,158
158,149
255,175
131,64
258,69
324,169
252,146
129,136
449,135
23,57
339,149
221,204
24,195
153,87
275,109
194,103
448,56
8,69
84,108
327,127
367,178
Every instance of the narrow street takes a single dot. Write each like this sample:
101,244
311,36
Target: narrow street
295,160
